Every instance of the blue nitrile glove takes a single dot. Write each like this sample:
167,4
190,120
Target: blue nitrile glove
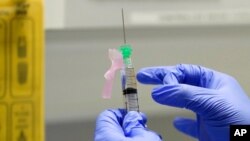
216,98
116,125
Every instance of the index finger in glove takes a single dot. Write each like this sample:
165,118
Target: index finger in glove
181,74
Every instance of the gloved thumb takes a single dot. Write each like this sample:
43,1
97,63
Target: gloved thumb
134,123
191,97
187,126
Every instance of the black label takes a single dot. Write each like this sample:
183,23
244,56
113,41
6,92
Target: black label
130,91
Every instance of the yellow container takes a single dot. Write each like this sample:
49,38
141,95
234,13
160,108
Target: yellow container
21,70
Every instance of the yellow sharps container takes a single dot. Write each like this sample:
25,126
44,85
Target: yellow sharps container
21,70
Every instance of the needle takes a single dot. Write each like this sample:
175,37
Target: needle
124,34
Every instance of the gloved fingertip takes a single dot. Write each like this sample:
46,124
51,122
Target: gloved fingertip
145,76
109,125
140,76
187,126
106,112
112,114
144,117
178,121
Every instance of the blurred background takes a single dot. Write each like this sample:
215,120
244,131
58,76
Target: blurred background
211,33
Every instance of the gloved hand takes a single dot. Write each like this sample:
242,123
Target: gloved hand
216,98
116,125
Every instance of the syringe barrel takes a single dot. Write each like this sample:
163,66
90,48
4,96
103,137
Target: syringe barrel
130,91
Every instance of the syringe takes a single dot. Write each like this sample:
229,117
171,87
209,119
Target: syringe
129,86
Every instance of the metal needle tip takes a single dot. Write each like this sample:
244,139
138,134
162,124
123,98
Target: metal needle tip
123,23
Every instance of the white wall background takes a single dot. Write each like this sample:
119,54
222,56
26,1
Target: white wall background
76,59
106,13
54,14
